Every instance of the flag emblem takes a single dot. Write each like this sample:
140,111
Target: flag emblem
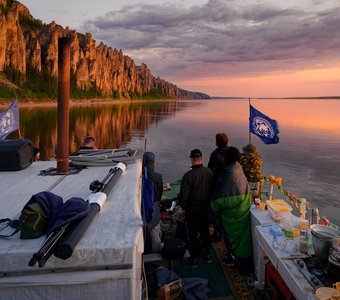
263,126
9,120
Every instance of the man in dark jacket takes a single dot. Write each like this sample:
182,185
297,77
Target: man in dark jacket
216,162
157,185
194,199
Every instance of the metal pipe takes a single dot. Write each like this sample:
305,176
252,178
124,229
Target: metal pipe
63,104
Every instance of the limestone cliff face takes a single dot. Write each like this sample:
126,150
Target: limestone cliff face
12,41
99,66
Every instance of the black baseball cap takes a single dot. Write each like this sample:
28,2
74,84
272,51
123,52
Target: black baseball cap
196,153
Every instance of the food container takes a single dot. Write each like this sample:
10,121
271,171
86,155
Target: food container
324,231
278,209
323,238
334,255
325,293
336,244
333,268
261,206
337,286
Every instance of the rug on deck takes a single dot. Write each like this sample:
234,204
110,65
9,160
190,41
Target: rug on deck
225,281
214,272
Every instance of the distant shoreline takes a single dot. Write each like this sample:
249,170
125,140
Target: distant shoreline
72,102
280,98
4,103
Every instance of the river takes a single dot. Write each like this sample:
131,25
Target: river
307,157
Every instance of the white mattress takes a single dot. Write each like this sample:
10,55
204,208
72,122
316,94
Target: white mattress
109,251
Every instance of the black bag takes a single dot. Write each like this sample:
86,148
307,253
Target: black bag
16,155
32,221
196,288
44,213
31,224
173,249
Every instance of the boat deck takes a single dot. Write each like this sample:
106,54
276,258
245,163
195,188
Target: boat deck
107,260
225,281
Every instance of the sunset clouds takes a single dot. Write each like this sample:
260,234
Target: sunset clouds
225,40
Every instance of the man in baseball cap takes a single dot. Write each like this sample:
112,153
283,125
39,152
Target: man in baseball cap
194,199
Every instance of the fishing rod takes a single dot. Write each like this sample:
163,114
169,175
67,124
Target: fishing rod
65,249
62,241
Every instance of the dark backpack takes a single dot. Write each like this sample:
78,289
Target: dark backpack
147,196
173,249
44,213
36,216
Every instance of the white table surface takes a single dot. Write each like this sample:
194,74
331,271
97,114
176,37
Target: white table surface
263,247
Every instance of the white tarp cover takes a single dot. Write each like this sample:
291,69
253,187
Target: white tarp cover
106,264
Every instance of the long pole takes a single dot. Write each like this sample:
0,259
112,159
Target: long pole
249,122
62,241
63,104
65,249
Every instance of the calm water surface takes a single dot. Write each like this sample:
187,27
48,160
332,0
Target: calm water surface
307,157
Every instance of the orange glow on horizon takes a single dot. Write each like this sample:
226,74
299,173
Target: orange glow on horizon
304,114
306,83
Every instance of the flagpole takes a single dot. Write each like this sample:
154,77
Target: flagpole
16,99
249,121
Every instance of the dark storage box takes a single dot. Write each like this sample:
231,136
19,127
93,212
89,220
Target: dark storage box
15,154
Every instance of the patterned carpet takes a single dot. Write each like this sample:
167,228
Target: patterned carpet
225,281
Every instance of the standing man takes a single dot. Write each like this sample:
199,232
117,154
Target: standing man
216,162
232,200
194,199
251,163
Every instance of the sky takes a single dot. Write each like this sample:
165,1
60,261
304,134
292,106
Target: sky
226,48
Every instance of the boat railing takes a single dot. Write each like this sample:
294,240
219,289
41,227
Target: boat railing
272,187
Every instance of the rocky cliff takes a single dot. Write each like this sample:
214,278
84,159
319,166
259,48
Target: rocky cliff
25,41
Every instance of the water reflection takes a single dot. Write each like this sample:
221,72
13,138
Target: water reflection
111,125
307,157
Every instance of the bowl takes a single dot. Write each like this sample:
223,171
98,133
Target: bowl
337,286
324,231
325,293
336,244
334,254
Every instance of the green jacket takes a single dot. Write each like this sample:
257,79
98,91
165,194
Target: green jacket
232,200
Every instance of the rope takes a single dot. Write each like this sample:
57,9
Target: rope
144,279
56,183
288,195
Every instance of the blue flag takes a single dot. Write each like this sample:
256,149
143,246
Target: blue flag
263,126
9,120
147,196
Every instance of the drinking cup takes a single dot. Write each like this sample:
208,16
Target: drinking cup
261,206
337,286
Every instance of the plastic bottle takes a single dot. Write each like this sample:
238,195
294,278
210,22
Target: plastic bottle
303,209
304,236
310,245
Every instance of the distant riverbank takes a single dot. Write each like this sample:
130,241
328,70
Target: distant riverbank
4,103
